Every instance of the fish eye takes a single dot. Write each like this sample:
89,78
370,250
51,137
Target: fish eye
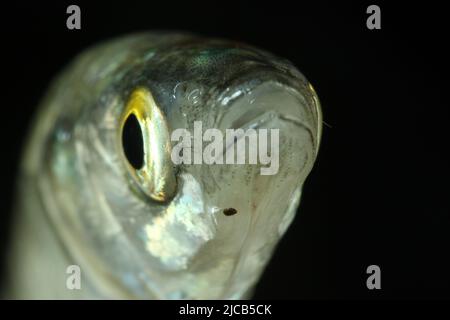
133,142
146,146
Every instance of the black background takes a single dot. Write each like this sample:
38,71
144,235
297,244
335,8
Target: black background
378,193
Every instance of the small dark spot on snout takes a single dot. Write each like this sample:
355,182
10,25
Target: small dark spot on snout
229,211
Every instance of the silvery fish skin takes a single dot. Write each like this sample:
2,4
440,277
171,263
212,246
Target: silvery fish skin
163,235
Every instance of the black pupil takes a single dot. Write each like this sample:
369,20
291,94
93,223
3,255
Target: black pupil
132,141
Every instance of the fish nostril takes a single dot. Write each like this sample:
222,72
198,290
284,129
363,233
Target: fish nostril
229,211
132,142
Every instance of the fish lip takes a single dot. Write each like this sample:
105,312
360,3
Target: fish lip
300,89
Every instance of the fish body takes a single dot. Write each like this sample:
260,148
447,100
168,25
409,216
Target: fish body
158,229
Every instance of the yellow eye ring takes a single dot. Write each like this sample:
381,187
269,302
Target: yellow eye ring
156,176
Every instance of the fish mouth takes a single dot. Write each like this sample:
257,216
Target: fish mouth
263,105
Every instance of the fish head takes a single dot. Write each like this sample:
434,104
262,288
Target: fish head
187,169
